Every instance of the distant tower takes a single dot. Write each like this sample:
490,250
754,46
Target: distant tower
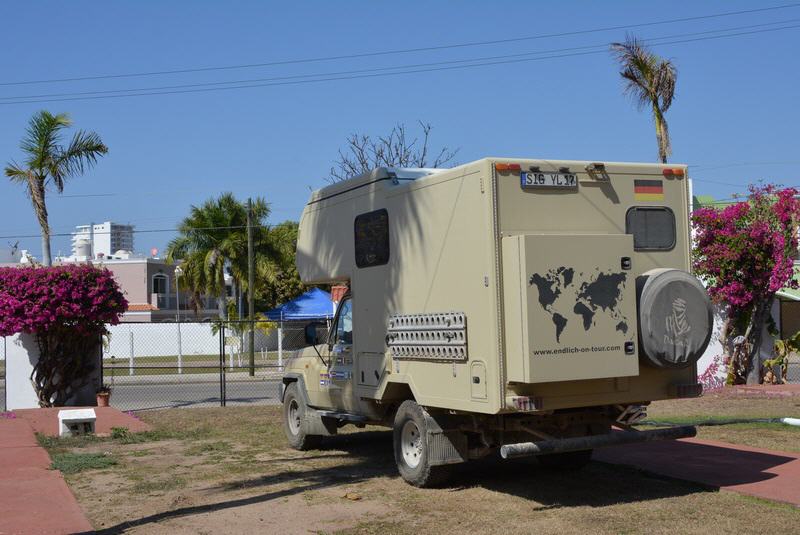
105,239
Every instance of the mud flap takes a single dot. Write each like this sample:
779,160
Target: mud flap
312,423
444,446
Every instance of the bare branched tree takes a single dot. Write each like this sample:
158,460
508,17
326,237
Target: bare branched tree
364,153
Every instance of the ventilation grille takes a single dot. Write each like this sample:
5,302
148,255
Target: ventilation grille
434,336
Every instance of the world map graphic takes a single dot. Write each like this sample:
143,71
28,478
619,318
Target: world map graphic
593,294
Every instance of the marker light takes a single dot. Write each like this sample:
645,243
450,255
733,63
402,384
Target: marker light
508,167
673,172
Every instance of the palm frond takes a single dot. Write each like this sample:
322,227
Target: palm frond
639,66
41,138
16,173
82,153
664,82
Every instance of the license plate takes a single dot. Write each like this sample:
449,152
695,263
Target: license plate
548,180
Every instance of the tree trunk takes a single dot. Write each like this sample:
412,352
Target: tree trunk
37,193
756,335
661,133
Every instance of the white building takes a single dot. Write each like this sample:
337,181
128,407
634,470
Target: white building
101,240
10,255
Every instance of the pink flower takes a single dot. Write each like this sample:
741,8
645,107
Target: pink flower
745,251
36,299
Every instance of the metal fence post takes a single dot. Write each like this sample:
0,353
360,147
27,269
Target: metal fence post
180,350
221,362
102,362
280,344
130,357
223,377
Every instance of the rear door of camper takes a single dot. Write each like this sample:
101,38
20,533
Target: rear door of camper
574,237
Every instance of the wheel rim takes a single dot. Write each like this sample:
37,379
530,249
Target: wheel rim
293,417
411,444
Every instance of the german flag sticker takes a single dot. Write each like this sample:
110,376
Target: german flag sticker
648,190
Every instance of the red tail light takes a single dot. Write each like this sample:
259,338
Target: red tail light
508,167
673,172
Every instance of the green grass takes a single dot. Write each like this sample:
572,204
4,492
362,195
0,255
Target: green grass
119,435
209,447
56,445
72,463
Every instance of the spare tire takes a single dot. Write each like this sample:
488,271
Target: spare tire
675,318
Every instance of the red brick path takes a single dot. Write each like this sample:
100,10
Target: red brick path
773,475
33,498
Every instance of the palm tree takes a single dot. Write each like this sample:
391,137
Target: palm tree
650,80
213,239
48,163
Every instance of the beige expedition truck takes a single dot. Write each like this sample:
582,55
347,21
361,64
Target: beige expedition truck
530,307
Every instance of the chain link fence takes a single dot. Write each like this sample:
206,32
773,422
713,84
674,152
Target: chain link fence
160,365
793,369
205,364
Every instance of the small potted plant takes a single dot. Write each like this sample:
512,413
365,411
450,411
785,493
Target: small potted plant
103,395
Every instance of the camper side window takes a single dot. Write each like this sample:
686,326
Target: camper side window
653,228
372,238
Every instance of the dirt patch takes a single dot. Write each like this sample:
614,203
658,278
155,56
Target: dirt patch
229,471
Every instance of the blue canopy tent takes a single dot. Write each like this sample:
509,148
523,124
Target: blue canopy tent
315,304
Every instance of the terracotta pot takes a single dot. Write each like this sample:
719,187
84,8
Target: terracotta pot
102,399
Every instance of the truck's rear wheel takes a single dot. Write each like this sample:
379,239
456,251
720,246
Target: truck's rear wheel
294,410
411,452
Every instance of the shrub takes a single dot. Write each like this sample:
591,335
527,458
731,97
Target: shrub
66,310
745,253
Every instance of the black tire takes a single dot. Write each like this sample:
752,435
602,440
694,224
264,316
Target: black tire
567,461
294,408
418,471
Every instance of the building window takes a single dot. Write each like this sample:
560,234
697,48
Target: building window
372,238
160,284
653,228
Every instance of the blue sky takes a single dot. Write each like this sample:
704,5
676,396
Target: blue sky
736,100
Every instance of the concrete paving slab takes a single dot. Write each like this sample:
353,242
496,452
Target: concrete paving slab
772,475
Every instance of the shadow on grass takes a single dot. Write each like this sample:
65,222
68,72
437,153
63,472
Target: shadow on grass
597,485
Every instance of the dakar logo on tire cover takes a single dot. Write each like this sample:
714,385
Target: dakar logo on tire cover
676,324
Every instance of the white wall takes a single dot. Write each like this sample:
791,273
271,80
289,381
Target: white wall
711,369
21,354
161,339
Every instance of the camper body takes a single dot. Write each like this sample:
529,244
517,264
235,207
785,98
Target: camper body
500,301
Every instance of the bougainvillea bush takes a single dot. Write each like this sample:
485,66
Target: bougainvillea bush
745,253
66,310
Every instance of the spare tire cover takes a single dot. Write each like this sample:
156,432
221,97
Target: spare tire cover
675,318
